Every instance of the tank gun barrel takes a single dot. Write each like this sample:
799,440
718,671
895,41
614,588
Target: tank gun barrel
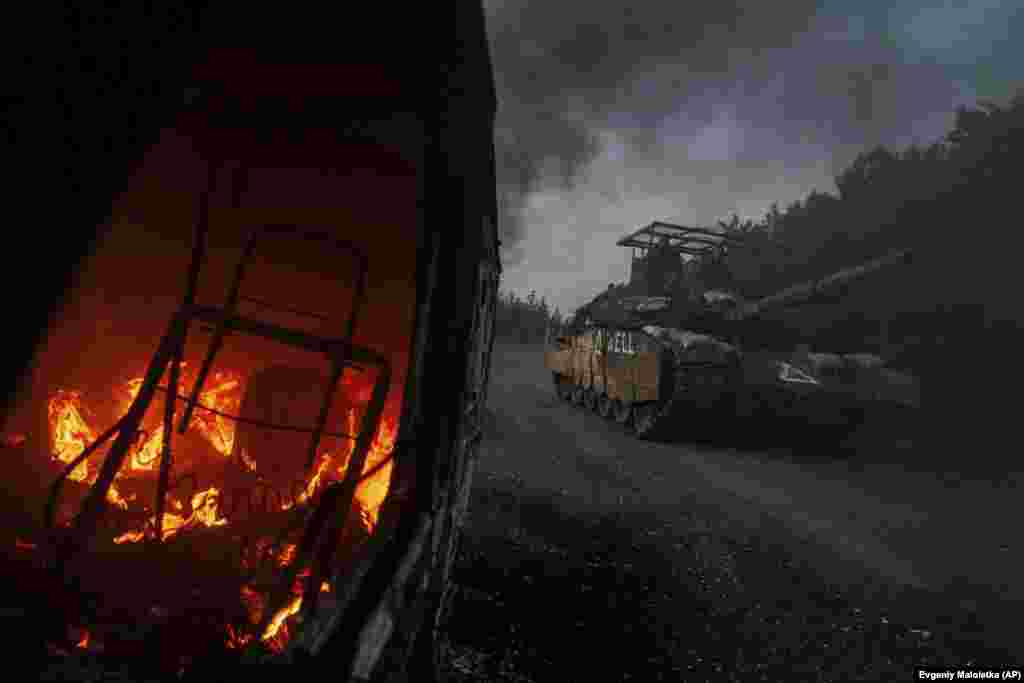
807,291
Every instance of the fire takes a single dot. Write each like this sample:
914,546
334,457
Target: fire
84,641
147,454
287,555
204,513
204,508
370,493
71,433
222,392
246,460
311,486
115,498
224,396
374,489
254,604
275,625
276,633
237,640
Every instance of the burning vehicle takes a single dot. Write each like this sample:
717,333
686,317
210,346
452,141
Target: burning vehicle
248,437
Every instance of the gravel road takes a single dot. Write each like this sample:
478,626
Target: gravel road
592,553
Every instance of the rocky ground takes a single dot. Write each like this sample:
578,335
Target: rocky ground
549,596
590,556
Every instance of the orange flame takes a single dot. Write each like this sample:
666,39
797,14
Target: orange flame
311,486
274,627
246,460
374,489
71,434
222,392
255,604
147,454
287,555
115,498
204,513
237,640
84,641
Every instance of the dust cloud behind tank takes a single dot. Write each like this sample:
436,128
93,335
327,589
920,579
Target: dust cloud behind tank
673,358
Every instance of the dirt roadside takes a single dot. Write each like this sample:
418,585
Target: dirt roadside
685,563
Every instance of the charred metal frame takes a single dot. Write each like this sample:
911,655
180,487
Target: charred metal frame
322,525
451,90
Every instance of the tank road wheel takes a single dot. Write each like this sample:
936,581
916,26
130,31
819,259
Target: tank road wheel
590,399
621,411
563,388
577,395
645,420
604,406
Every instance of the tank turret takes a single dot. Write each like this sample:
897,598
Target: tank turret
665,288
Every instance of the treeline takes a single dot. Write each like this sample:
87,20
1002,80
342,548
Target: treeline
955,314
525,320
930,198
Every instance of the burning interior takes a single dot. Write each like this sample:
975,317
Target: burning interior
206,443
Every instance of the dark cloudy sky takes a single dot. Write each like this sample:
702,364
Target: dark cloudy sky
613,114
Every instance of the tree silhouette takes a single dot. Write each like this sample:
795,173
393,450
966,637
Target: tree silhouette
526,321
954,316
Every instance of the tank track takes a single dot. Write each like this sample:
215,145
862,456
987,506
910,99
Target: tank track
710,402
702,397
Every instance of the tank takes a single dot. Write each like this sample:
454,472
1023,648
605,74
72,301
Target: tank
299,152
671,358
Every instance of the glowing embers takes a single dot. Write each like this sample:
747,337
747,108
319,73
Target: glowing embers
69,432
277,632
226,471
204,513
222,393
83,640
